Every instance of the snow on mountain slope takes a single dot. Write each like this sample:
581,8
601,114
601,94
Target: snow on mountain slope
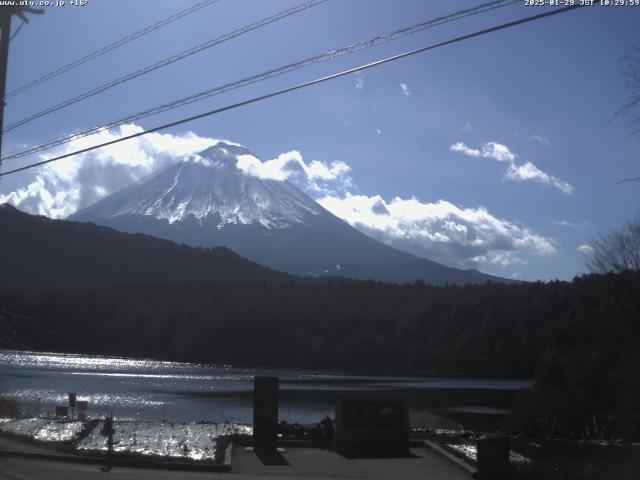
207,200
210,184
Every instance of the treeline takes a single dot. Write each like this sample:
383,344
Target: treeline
483,330
579,339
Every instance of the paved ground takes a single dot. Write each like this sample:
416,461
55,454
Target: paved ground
313,463
13,445
13,468
302,463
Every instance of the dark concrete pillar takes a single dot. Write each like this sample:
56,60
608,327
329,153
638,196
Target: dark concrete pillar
367,424
265,413
493,459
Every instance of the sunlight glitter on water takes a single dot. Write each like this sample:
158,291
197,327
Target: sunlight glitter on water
71,361
470,451
159,376
147,389
94,399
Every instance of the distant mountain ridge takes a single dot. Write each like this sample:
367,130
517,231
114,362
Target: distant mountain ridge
41,253
208,201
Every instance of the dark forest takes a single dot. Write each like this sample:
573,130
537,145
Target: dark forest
579,340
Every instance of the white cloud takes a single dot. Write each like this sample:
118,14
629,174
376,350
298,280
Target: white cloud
567,223
498,152
36,198
360,81
63,187
378,131
585,250
467,127
60,188
516,172
315,175
540,139
440,230
529,171
462,148
493,150
405,89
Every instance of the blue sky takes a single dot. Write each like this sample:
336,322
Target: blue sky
499,153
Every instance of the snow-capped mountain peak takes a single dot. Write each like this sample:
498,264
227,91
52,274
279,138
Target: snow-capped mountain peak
220,155
210,187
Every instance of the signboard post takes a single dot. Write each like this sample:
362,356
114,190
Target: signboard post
72,403
265,413
83,406
108,431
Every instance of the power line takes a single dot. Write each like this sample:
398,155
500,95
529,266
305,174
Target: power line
369,43
110,47
167,61
304,85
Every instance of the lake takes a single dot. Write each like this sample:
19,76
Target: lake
145,389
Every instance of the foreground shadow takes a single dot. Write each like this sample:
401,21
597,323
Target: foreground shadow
377,454
271,457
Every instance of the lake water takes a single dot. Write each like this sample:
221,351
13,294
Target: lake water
143,389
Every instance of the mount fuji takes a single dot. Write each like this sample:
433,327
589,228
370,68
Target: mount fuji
207,201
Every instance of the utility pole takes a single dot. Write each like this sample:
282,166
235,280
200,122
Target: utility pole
5,25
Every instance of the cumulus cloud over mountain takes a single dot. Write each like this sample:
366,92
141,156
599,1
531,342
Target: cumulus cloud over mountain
61,188
315,175
58,189
440,230
452,234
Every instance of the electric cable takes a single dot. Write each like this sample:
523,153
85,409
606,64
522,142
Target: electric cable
369,43
303,85
110,47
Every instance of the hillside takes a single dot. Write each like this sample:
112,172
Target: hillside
40,253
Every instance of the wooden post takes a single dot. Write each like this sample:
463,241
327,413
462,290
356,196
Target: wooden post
6,13
5,26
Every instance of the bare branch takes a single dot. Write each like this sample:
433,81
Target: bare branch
616,251
630,69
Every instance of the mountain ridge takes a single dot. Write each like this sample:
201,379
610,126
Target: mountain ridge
208,201
53,254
